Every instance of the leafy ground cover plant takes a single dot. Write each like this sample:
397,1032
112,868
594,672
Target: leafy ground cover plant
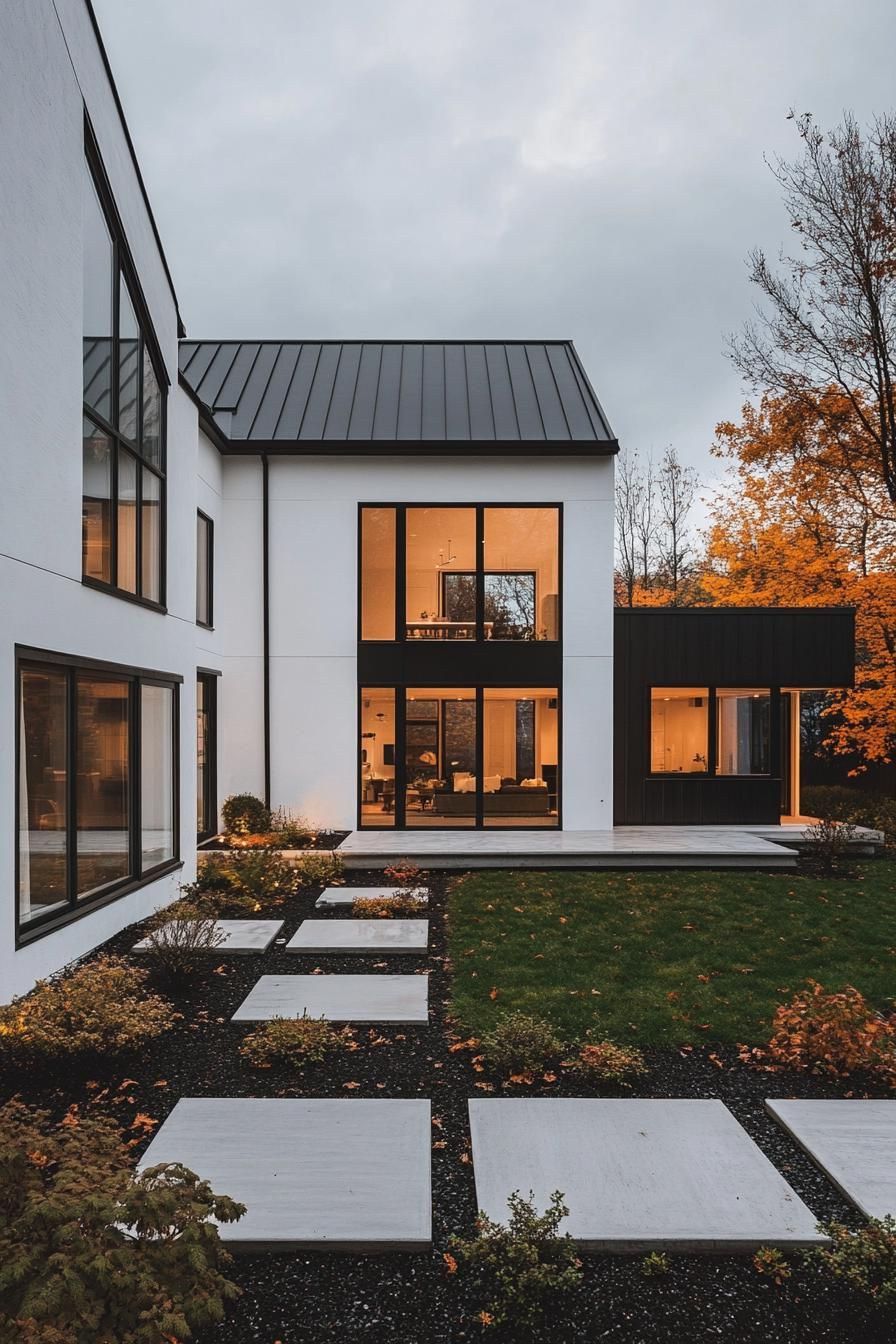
520,1043
321,868
292,832
524,1263
244,814
294,1041
864,1259
772,1264
101,1008
831,1034
405,872
606,1062
655,1264
178,944
93,1253
386,907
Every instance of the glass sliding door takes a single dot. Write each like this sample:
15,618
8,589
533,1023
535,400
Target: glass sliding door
441,778
376,757
43,791
520,772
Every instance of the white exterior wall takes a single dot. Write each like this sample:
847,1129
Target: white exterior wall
45,77
313,617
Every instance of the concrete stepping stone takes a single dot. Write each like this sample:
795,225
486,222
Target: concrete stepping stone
348,895
854,1143
240,935
361,935
338,998
341,1175
637,1175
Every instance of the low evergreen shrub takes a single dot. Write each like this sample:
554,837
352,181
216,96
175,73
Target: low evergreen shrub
294,1041
525,1263
244,814
865,1259
606,1062
519,1043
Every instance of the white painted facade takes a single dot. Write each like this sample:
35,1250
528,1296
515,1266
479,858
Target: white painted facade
51,69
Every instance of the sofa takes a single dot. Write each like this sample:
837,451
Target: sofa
510,800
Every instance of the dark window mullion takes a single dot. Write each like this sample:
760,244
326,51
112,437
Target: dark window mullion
71,789
138,529
134,779
712,736
480,753
480,573
401,710
401,578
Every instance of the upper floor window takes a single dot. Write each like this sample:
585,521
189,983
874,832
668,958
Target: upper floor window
123,434
205,554
487,572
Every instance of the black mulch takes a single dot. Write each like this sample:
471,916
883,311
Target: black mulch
320,840
406,1299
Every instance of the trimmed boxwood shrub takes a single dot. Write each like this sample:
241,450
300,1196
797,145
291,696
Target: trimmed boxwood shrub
244,814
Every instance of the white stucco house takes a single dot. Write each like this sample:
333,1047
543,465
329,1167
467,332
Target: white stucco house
369,581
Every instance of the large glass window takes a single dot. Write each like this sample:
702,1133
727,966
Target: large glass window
440,551
97,750
377,573
522,582
123,450
459,756
679,729
520,757
470,572
744,718
205,556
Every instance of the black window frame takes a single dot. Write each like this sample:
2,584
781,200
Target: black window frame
123,267
209,570
712,735
400,614
28,930
209,682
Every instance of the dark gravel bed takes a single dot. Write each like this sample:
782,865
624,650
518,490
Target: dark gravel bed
404,1299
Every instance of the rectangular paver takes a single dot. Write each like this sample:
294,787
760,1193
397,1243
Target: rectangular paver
854,1143
637,1175
348,895
239,935
360,935
338,998
350,1174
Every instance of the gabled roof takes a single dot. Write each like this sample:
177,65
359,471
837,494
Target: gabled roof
529,397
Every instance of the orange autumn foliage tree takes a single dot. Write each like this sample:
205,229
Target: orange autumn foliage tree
808,522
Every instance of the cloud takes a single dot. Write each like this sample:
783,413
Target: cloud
474,168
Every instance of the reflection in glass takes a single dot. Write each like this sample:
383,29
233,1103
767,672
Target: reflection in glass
377,757
101,786
151,441
151,539
128,364
206,813
744,718
97,310
520,746
96,505
522,573
378,573
679,729
440,542
127,521
156,775
43,779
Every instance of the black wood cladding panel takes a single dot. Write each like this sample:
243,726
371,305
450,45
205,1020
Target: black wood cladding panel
714,646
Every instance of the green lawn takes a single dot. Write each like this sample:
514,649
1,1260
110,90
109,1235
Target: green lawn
666,958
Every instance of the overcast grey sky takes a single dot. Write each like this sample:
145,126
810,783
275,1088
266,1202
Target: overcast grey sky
479,168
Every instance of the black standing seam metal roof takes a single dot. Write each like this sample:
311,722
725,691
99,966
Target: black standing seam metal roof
302,395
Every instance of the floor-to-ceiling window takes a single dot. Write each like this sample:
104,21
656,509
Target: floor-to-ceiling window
459,756
97,784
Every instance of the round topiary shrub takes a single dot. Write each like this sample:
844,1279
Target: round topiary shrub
244,814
